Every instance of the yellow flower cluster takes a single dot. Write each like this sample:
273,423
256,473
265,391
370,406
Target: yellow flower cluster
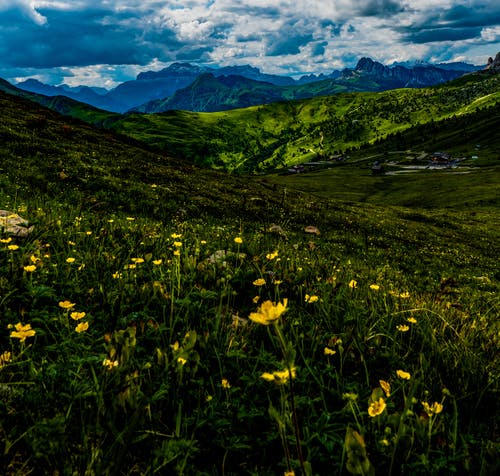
433,409
280,377
269,312
271,256
311,299
110,364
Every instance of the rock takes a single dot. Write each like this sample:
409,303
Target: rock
494,64
312,229
14,225
276,229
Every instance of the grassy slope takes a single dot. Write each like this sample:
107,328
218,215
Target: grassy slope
285,133
70,179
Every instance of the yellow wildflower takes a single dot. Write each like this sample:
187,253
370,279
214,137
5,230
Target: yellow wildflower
22,332
259,282
88,233
267,376
175,236
157,262
30,268
77,315
117,275
82,327
5,358
177,244
353,284
412,320
177,253
70,260
386,387
255,299
289,473
137,260
403,328
6,240
374,287
110,363
404,295
181,360
280,377
271,256
175,346
130,218
225,383
377,407
269,312
328,351
203,242
132,266
402,374
13,247
433,409
238,240
66,304
311,299
34,259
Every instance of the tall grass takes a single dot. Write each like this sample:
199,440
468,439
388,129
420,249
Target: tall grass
141,358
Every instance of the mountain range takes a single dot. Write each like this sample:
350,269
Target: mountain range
200,88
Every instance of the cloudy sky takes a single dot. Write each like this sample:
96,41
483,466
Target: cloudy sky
106,42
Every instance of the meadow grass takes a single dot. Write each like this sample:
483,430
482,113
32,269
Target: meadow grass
132,346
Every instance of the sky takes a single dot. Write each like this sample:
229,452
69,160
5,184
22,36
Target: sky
105,42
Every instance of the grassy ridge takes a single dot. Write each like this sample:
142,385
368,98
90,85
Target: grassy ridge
166,372
290,132
282,134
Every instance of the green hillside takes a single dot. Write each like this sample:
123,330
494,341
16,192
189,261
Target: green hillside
287,133
162,318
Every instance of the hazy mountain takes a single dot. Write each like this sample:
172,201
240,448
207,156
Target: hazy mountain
97,97
155,91
158,85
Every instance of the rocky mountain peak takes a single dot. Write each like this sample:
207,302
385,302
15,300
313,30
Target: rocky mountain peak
494,64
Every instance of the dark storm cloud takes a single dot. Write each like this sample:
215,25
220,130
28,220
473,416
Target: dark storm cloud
382,8
457,23
443,34
287,35
288,45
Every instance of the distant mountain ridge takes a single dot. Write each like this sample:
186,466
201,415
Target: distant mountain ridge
210,94
161,86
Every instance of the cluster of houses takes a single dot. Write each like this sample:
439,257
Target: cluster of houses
436,160
442,159
297,169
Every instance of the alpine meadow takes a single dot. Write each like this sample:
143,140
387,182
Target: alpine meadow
307,286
